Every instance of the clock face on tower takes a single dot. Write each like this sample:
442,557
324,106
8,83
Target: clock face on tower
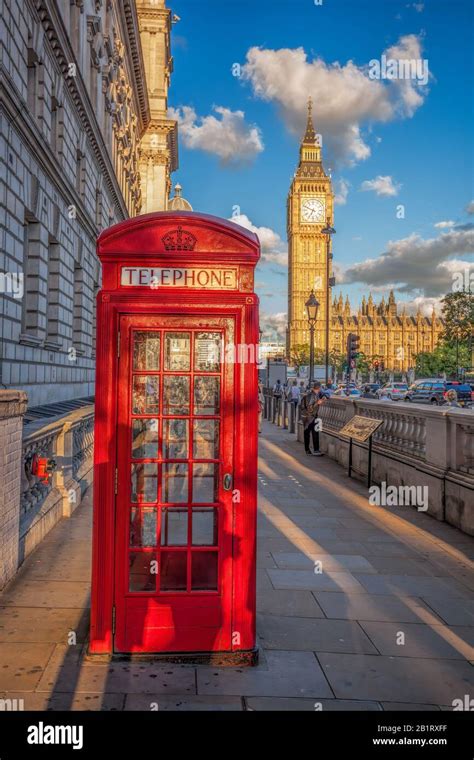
312,210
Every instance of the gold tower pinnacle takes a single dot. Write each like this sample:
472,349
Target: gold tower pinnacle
310,134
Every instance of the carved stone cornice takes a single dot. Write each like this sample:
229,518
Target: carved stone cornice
61,47
135,49
155,157
169,127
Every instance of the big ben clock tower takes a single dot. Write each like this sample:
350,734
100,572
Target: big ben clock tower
309,210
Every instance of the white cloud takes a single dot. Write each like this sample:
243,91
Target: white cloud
381,185
425,305
470,208
273,326
419,7
444,225
416,265
341,191
408,94
345,98
228,137
272,246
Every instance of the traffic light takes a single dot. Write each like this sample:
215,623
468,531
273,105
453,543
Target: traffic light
353,342
376,365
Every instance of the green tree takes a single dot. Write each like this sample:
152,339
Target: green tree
299,356
363,363
337,360
458,314
442,359
454,348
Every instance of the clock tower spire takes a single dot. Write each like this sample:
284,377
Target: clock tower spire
309,210
310,148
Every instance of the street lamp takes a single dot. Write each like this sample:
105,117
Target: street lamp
312,306
328,231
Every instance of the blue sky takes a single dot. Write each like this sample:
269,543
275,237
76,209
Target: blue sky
412,143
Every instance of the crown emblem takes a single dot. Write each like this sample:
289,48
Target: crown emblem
179,240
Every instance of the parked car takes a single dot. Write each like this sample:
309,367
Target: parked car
395,391
372,390
352,393
433,391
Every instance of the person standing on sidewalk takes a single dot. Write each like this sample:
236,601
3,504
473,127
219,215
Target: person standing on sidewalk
294,393
310,404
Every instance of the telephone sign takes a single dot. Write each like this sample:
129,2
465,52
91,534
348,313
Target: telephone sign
175,438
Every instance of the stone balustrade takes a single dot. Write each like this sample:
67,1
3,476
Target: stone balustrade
31,506
417,445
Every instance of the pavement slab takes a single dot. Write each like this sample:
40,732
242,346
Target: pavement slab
284,674
299,604
341,562
349,606
412,585
403,706
43,700
398,679
180,703
452,611
319,635
39,624
54,594
419,640
307,579
310,705
22,666
118,677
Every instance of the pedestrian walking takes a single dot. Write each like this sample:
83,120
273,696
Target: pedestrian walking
310,404
294,393
278,389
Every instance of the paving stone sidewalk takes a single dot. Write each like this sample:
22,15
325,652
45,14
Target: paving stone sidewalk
388,623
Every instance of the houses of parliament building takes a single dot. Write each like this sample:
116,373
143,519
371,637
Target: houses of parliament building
387,333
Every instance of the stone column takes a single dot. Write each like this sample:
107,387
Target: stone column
12,408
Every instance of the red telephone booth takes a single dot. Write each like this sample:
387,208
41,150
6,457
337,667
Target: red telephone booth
175,438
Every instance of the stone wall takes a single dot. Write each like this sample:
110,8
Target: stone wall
12,408
417,445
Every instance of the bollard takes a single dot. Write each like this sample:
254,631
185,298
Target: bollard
285,414
292,417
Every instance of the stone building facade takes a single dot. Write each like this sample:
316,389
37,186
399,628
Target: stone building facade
74,108
158,155
387,333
